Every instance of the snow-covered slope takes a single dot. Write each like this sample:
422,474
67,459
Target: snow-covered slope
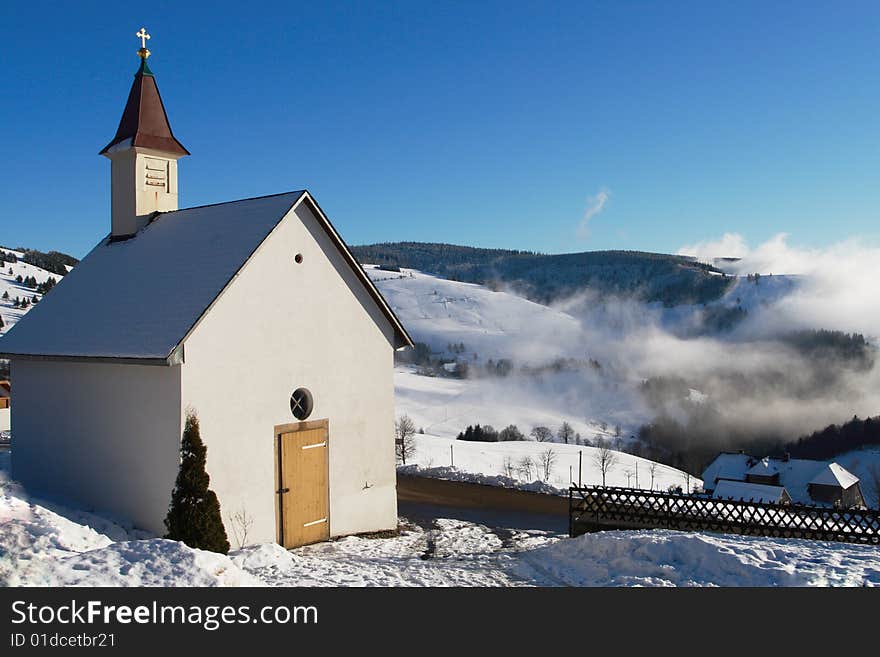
8,284
490,324
444,406
502,325
519,463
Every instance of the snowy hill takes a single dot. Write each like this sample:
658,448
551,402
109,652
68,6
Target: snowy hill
501,325
508,462
491,324
649,277
9,272
583,367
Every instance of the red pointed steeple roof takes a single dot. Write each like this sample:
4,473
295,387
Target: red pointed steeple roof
144,121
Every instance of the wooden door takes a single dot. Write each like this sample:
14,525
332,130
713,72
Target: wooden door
302,457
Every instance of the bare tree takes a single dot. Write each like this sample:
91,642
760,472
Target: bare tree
629,475
566,433
241,524
404,438
605,459
653,470
508,467
547,459
541,434
525,467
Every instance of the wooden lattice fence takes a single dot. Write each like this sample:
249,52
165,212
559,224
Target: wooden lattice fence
594,508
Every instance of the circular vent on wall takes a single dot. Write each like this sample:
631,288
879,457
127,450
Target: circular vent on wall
301,403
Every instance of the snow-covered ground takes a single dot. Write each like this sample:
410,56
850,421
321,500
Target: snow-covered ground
669,558
47,545
42,544
444,406
491,324
502,464
9,285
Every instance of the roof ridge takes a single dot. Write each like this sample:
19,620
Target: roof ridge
238,200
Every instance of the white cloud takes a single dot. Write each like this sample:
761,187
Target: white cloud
837,288
731,245
595,205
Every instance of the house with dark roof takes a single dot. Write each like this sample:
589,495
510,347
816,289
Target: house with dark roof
781,480
168,307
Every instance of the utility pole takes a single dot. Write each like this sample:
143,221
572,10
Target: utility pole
580,466
451,457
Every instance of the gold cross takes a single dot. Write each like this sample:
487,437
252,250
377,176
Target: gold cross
143,36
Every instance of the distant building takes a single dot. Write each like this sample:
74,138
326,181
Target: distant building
781,480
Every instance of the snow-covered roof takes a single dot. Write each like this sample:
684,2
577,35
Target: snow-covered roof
795,475
726,465
763,468
138,298
835,475
741,490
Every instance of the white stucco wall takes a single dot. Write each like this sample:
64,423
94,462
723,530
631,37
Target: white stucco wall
277,327
5,418
101,437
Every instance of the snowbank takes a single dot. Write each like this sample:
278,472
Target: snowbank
40,546
667,558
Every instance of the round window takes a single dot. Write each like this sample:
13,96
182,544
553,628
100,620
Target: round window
301,403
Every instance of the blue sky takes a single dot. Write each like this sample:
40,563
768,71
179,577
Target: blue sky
489,124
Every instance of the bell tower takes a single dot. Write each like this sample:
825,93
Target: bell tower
143,155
